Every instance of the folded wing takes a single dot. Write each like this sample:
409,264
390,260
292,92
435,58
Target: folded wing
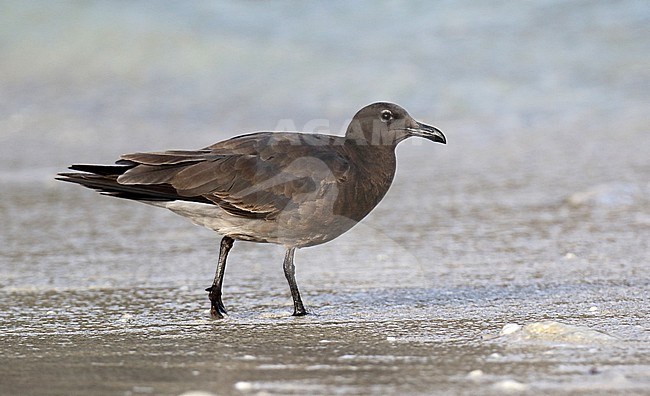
254,176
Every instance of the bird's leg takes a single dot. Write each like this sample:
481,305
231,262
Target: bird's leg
290,274
216,305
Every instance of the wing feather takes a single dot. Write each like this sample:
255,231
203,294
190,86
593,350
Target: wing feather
256,175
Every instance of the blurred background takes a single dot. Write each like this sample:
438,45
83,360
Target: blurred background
538,206
148,75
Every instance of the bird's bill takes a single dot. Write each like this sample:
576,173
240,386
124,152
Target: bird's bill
428,132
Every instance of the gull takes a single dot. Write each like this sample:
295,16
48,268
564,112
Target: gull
293,189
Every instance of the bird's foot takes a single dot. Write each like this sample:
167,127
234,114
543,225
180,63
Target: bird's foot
300,312
217,312
217,309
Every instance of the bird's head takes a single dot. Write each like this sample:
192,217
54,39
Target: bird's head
387,124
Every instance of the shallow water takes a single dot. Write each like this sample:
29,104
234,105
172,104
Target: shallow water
536,210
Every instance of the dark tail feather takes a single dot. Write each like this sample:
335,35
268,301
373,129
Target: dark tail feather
104,181
104,170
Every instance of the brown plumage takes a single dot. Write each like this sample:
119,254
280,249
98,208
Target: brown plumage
292,189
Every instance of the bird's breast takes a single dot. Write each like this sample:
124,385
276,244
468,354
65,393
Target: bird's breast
366,187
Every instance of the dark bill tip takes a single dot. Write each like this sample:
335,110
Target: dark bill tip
428,132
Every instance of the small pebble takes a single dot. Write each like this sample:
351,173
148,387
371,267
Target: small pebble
125,317
510,328
243,386
510,386
593,309
475,374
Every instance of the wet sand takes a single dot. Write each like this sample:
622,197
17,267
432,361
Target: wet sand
537,210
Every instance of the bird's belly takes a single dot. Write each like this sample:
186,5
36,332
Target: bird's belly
308,225
311,228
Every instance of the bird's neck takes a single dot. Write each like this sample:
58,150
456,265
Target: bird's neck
372,154
376,162
374,169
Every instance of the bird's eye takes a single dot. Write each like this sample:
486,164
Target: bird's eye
386,115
